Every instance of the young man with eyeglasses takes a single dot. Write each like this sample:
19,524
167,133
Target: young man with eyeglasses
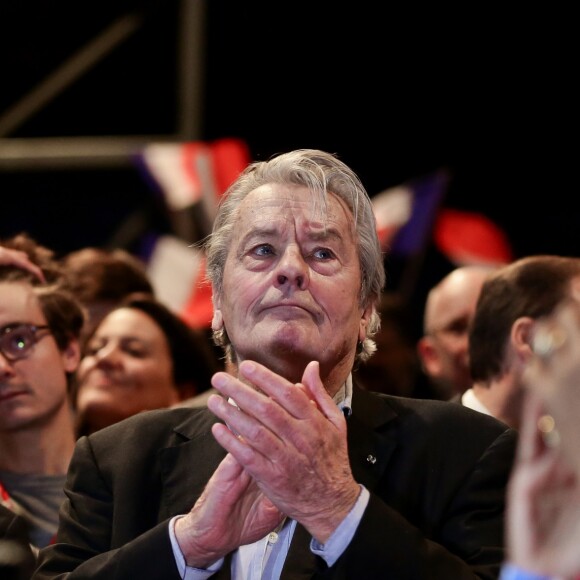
40,325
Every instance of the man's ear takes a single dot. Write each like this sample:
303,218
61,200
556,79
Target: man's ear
521,336
71,356
428,356
217,321
364,322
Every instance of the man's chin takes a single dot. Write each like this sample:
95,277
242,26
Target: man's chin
287,358
283,350
269,340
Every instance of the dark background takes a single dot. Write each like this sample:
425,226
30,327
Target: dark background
395,91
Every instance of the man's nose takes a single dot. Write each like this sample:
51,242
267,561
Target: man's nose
292,269
5,365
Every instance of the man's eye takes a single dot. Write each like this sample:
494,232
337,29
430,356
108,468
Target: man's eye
458,327
263,250
323,254
19,342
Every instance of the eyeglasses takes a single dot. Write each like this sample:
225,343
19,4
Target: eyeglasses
18,339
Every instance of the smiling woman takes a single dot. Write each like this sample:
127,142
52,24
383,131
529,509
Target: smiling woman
141,356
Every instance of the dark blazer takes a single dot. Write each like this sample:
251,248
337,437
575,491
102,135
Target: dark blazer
437,474
17,559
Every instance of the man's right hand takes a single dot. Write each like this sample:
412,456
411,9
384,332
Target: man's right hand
10,257
230,512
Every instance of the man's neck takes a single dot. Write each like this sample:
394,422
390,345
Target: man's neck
502,398
41,450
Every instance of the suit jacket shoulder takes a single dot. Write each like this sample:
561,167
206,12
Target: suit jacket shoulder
437,473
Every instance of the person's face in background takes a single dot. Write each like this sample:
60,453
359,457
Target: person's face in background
126,368
292,283
33,389
444,350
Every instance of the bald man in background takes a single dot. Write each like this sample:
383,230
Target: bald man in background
443,348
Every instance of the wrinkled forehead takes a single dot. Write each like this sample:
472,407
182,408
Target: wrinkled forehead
295,203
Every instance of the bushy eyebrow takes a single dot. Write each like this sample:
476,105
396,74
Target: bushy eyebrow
269,231
326,234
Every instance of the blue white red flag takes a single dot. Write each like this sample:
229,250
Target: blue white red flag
177,272
189,176
405,214
188,173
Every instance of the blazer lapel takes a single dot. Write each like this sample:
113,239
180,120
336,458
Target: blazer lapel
369,447
186,466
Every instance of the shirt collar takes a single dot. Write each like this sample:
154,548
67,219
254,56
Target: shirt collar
343,397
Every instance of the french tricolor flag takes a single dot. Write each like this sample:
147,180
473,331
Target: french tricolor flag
177,272
411,215
405,214
191,177
186,173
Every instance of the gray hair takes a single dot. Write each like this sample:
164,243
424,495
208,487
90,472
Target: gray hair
321,173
